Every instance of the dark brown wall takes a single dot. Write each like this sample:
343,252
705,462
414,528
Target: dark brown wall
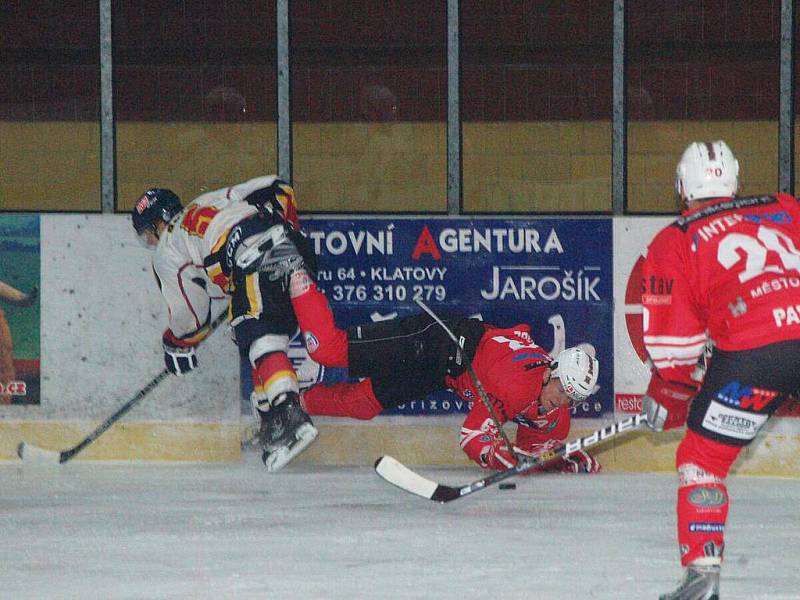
522,60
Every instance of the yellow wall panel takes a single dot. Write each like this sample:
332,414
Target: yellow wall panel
589,166
190,158
654,148
430,140
540,166
50,165
571,136
373,167
548,167
596,137
516,167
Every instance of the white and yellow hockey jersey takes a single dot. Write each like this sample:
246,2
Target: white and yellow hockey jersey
188,283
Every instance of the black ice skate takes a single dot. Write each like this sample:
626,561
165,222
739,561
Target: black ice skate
286,430
699,583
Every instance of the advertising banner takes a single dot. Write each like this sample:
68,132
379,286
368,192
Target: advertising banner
554,274
19,309
631,373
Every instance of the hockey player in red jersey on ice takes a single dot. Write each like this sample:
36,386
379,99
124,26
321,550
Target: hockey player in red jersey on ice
408,358
728,269
229,242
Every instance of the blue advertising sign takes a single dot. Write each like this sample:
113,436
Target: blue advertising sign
554,274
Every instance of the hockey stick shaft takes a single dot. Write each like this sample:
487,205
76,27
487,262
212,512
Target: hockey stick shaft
66,455
481,391
401,476
122,410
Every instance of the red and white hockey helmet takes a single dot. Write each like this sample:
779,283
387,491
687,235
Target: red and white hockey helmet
577,371
707,170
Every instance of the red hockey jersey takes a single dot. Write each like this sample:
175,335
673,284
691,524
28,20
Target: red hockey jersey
511,368
728,269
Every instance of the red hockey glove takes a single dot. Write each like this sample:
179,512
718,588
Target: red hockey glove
579,462
497,456
179,356
666,403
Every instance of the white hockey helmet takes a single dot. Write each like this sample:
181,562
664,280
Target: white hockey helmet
577,371
707,170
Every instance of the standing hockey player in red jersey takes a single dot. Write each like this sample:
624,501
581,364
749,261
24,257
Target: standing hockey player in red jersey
230,242
727,269
408,358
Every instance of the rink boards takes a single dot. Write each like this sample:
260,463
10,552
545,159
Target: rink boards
101,317
431,441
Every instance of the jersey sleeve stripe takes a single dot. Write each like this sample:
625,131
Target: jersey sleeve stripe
675,340
657,352
669,363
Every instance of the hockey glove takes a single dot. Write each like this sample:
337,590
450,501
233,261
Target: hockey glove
579,462
666,403
497,456
179,356
655,412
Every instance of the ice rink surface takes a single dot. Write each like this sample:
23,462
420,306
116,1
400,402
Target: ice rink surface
115,530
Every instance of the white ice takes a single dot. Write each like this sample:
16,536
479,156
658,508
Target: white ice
197,531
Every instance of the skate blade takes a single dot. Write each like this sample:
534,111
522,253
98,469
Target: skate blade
278,459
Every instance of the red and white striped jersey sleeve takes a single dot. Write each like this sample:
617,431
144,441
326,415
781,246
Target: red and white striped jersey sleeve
674,326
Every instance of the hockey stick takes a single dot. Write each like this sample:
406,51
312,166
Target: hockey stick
28,452
479,386
401,476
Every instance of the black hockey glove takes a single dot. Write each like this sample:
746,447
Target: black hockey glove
179,357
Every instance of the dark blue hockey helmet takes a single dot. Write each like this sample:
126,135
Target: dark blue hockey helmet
156,204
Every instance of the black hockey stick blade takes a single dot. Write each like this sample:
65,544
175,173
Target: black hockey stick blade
401,476
396,473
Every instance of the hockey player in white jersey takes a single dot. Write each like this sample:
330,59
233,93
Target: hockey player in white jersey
232,242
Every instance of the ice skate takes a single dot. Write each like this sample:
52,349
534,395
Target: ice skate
699,583
286,430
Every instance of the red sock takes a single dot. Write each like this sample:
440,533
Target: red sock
326,343
702,513
273,376
354,400
703,497
714,457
